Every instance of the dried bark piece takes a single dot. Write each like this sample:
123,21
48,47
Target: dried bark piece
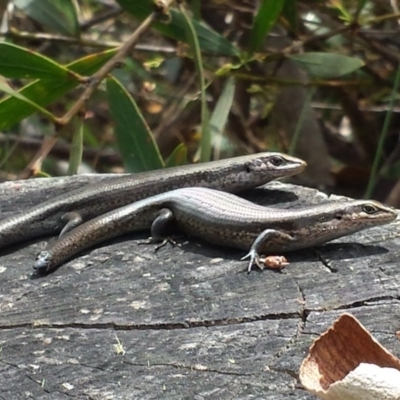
275,262
341,350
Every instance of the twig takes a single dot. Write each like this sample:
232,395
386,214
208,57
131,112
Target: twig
383,18
34,166
326,106
293,82
83,41
97,19
96,79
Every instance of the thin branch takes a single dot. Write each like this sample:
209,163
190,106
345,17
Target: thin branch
382,18
93,83
96,79
293,82
97,19
82,41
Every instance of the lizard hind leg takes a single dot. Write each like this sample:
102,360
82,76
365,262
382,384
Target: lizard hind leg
160,228
72,220
264,236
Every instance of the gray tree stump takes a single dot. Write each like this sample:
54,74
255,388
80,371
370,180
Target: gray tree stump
124,322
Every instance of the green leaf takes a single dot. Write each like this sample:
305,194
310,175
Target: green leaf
390,171
221,112
360,6
304,111
177,157
289,11
327,65
192,39
379,154
19,62
6,88
265,19
59,15
43,92
75,156
138,148
209,40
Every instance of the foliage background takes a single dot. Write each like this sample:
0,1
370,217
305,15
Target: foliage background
208,79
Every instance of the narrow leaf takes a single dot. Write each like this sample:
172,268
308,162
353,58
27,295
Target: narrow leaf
177,157
304,111
138,148
327,65
59,15
44,91
382,137
205,121
220,114
209,40
75,157
265,19
289,11
6,88
19,62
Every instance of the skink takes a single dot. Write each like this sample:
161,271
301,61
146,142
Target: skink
67,211
223,219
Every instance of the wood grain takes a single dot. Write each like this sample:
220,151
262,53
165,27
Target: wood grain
191,322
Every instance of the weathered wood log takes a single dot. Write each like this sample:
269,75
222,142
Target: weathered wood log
190,322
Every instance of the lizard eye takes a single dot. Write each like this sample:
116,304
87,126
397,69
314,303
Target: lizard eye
277,161
369,209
